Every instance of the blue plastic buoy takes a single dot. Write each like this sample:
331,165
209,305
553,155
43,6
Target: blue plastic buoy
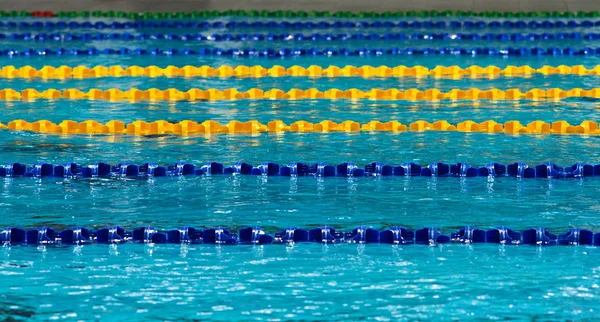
291,235
538,236
112,235
502,235
326,235
125,170
184,235
40,169
321,169
378,169
152,170
397,235
576,236
13,236
469,235
363,235
13,170
219,236
148,235
438,169
255,236
76,236
430,236
42,236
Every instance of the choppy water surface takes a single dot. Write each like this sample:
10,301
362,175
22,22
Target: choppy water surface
305,282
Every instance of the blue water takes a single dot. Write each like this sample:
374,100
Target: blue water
306,281
309,282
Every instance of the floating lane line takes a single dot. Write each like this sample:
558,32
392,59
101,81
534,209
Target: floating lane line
298,169
212,94
255,235
302,52
300,13
188,127
313,71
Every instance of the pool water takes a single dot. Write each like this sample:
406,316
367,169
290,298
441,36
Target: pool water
306,281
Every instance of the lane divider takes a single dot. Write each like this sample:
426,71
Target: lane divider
195,94
255,235
297,169
301,52
340,24
301,13
328,37
187,127
64,72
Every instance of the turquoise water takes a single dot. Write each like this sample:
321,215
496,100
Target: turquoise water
306,281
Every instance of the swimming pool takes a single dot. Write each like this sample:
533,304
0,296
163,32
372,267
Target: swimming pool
305,280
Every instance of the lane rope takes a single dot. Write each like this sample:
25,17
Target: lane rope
196,94
300,13
188,127
340,24
298,169
255,235
302,52
366,71
315,37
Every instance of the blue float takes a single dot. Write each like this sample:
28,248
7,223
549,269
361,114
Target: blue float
397,235
576,236
548,170
294,169
40,169
350,169
436,169
76,236
266,169
579,170
469,235
321,169
300,52
520,170
239,168
379,169
503,235
363,235
291,235
96,169
254,236
152,170
408,169
211,168
297,169
42,236
13,236
316,37
112,235
219,236
125,170
326,235
184,169
184,235
430,236
538,236
463,170
148,235
13,170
